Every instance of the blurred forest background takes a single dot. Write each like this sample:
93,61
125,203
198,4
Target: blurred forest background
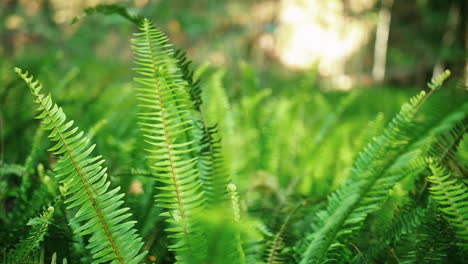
284,79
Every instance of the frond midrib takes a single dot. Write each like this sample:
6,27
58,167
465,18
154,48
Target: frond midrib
85,184
166,136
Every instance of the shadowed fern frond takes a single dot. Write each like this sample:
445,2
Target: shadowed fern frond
213,173
26,248
452,196
99,210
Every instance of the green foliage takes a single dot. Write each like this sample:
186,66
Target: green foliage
298,177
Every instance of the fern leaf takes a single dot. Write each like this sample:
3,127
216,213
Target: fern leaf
27,247
165,121
113,237
404,222
452,196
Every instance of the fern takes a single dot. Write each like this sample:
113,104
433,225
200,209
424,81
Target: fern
452,196
212,168
367,186
273,253
431,241
165,118
99,209
26,248
404,223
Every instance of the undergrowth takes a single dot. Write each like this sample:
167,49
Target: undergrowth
200,183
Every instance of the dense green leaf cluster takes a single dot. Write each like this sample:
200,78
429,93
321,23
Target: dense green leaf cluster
271,191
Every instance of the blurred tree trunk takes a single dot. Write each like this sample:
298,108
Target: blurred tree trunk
381,40
453,19
6,8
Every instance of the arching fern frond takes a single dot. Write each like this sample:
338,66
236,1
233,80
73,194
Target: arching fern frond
167,126
366,188
26,248
100,214
452,196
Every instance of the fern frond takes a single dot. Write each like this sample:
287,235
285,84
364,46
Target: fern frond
165,122
193,84
373,162
445,147
28,200
452,196
213,173
27,247
113,237
405,222
431,241
366,188
274,254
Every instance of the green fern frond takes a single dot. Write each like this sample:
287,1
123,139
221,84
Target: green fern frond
452,196
367,187
26,248
113,237
274,249
431,241
438,80
167,126
404,223
346,207
213,173
27,201
445,147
